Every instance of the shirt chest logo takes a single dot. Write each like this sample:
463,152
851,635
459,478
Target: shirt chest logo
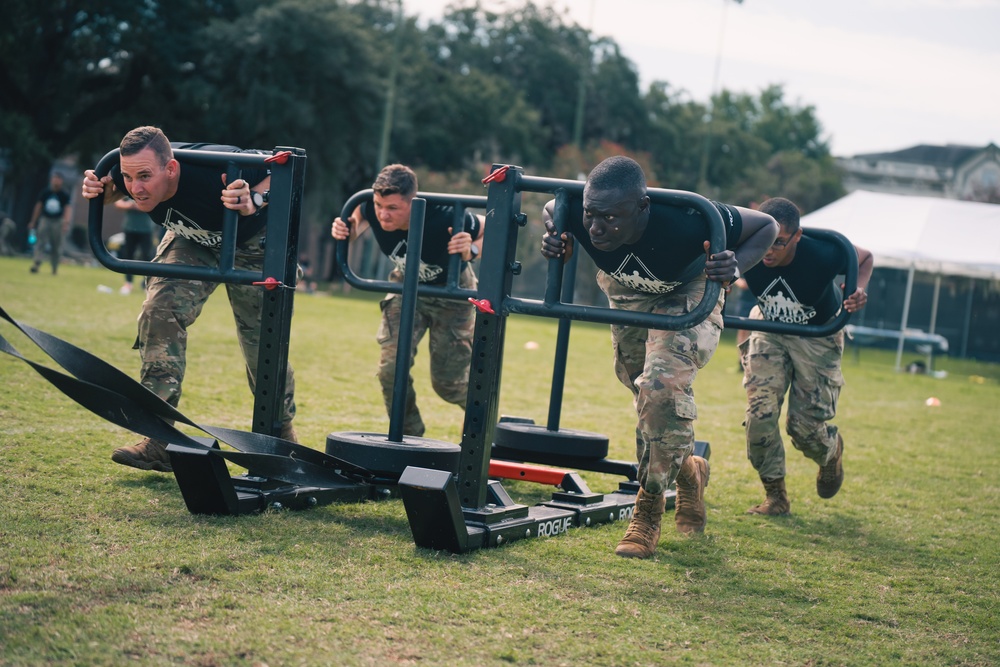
634,274
778,302
185,227
427,273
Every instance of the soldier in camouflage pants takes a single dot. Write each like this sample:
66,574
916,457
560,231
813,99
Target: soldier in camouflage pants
451,324
795,284
654,257
172,305
644,358
191,199
770,362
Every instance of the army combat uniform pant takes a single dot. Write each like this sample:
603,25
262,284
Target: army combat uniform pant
50,233
659,368
808,369
451,324
172,305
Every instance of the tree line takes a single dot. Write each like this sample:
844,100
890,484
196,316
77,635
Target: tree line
361,83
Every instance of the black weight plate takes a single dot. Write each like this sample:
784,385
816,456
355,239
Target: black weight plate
527,437
380,456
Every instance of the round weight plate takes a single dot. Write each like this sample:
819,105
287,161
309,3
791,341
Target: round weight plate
537,438
377,454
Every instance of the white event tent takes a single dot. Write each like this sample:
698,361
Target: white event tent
930,234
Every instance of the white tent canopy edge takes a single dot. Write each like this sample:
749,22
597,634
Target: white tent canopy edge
915,233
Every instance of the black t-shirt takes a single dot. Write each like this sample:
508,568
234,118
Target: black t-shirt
54,202
434,255
196,211
670,253
803,291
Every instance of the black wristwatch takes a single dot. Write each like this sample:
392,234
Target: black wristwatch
259,199
474,251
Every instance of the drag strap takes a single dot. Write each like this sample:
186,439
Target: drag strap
114,396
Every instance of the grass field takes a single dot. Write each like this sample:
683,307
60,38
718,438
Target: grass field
103,565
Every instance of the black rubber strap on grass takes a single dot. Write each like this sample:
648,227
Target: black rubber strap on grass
114,396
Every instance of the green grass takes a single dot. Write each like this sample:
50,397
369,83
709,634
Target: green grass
103,565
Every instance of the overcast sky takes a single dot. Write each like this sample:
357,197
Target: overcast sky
882,74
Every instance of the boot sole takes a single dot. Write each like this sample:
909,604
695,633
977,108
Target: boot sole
631,554
751,511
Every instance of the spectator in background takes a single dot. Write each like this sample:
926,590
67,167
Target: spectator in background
7,230
51,217
138,229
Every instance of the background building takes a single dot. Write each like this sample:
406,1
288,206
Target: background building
967,308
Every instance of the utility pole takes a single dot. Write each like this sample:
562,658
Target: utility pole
710,120
581,98
390,98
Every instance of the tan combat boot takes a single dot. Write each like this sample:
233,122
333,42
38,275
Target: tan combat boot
831,475
692,479
776,503
150,454
644,528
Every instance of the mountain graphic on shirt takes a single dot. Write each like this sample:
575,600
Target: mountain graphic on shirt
634,274
183,226
778,302
428,272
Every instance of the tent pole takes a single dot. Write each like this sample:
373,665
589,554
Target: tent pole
968,317
934,309
906,317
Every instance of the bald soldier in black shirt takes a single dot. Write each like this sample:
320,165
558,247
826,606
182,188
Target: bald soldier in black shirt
654,259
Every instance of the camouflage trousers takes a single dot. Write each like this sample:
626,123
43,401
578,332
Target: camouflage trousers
172,305
451,324
50,234
808,369
659,367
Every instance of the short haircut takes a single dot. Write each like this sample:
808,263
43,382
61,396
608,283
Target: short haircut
784,211
396,179
618,173
141,138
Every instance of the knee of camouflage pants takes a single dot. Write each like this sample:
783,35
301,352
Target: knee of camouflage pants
817,440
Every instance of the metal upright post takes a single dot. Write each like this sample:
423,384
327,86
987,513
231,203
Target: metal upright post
280,263
482,407
404,344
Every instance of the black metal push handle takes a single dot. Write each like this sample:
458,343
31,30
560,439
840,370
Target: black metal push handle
461,203
809,330
224,272
552,307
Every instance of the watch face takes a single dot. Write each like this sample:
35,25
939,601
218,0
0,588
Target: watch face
258,199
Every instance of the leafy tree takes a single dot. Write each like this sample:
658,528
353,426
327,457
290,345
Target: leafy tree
810,183
532,49
72,70
304,73
673,135
615,110
760,144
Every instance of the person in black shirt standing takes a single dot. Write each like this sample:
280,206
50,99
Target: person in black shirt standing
450,322
653,258
51,215
794,283
189,200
